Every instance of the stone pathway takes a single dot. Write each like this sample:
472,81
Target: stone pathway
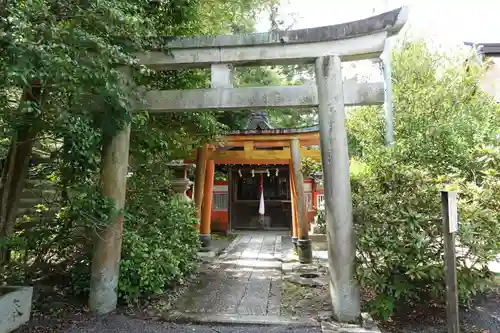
241,286
122,324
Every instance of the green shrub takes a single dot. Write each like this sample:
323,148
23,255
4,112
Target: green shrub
160,240
159,253
320,221
397,212
309,167
159,248
446,133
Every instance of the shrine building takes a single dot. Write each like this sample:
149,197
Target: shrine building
257,160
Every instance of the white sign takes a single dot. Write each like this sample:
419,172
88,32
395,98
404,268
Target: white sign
452,211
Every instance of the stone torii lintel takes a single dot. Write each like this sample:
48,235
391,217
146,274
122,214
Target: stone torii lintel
362,39
301,96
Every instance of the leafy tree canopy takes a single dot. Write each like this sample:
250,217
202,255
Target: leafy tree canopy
62,89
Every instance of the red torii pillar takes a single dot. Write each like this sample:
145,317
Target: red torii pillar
206,210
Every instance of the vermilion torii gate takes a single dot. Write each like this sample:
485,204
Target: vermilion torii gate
326,47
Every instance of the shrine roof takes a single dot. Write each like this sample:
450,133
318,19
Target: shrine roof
258,124
486,49
276,131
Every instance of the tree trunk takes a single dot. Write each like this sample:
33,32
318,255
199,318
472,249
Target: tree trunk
15,169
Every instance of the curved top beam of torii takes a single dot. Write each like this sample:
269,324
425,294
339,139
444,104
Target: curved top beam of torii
391,22
362,39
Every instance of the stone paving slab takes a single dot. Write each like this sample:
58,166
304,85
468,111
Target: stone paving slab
274,301
229,319
123,324
255,299
242,284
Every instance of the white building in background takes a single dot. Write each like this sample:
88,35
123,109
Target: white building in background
490,52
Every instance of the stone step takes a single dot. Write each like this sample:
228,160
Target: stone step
33,211
39,193
29,202
238,319
32,202
37,183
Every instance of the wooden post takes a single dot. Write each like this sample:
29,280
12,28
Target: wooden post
293,204
248,148
206,212
108,241
450,227
199,181
337,186
230,180
304,247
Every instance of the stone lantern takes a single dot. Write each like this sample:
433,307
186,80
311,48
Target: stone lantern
180,184
318,179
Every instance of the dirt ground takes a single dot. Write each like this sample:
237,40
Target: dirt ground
52,311
297,300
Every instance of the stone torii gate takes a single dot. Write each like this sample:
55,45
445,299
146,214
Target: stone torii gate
326,47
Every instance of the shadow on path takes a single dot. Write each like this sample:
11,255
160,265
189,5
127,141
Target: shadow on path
244,280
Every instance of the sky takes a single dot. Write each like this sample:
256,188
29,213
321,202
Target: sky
445,24
441,21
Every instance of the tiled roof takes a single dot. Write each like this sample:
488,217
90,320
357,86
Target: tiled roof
487,49
258,123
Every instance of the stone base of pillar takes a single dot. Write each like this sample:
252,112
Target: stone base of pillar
294,243
367,325
304,251
205,243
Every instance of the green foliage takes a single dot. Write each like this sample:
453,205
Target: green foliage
365,130
320,221
397,212
159,247
71,50
47,245
277,76
294,118
442,115
219,175
309,167
446,133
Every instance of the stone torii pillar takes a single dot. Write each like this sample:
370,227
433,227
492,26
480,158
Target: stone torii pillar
103,296
336,178
108,239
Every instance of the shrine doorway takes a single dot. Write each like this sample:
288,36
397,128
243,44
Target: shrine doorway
244,199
